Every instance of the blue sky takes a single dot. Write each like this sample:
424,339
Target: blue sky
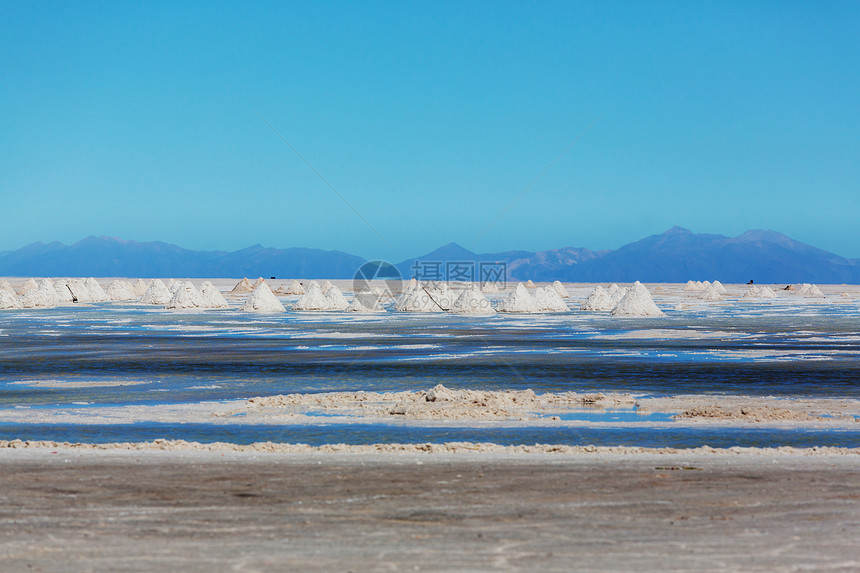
140,120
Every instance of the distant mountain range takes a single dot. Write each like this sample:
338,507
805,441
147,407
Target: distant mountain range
677,255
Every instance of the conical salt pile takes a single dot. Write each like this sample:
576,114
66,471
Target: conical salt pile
294,287
186,296
262,300
62,292
617,294
8,301
814,291
559,288
420,299
258,282
518,301
691,286
767,292
612,289
548,300
530,284
139,287
335,298
5,286
31,284
718,286
472,301
243,285
42,296
598,300
211,297
637,302
97,293
325,286
711,294
156,293
313,299
121,291
753,292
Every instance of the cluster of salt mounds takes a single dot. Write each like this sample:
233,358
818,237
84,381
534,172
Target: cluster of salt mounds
316,298
637,302
598,300
262,299
544,299
418,298
293,287
698,286
759,292
472,301
809,289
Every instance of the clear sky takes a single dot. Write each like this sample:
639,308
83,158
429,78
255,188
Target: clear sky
140,120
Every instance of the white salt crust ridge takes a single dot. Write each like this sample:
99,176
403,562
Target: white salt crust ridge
472,301
186,296
548,300
262,300
559,288
121,291
211,297
156,293
518,301
598,300
637,302
243,285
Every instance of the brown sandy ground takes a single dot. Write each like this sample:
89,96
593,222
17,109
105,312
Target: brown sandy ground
122,510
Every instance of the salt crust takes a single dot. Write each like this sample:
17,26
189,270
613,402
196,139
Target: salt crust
442,403
460,448
262,300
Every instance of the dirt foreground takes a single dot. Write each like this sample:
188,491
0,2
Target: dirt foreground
115,510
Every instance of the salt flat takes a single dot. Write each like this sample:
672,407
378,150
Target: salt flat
190,510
